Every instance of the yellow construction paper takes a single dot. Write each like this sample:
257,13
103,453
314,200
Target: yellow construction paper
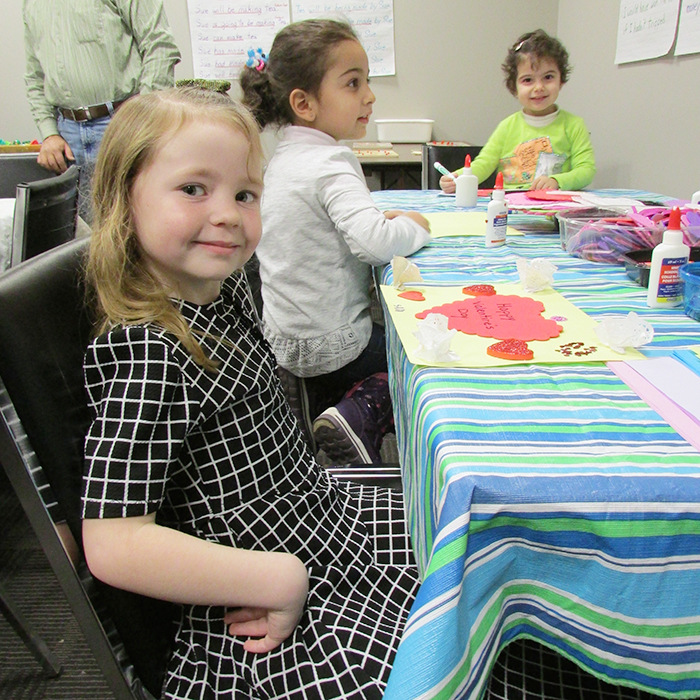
578,327
461,223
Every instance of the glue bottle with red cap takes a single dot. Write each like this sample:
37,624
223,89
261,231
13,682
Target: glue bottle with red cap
665,284
467,186
497,215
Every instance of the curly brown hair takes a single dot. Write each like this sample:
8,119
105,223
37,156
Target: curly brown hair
538,45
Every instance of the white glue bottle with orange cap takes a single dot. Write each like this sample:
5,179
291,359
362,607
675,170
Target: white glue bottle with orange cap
497,215
665,284
467,186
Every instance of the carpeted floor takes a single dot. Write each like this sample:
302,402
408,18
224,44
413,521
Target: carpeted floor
29,581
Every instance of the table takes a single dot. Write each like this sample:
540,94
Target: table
400,173
544,501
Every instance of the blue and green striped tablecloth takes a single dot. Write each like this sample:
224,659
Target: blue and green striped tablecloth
545,501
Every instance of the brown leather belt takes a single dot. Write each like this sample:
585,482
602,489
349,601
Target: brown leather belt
85,114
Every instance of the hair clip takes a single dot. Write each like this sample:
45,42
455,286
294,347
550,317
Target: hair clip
256,59
517,48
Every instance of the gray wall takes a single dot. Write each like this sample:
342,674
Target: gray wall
643,116
448,55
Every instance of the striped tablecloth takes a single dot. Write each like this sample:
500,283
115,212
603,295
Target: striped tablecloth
545,501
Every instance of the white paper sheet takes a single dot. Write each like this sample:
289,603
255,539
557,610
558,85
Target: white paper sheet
646,29
674,379
222,33
688,40
373,22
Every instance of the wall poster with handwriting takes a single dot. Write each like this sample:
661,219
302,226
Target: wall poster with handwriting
373,20
646,29
688,40
222,33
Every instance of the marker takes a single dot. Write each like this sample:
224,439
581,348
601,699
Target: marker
443,170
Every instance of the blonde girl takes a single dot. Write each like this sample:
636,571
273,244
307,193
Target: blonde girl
198,486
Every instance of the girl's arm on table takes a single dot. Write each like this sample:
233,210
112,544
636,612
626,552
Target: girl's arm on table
138,555
371,235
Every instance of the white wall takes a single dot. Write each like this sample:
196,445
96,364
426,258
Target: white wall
448,55
643,116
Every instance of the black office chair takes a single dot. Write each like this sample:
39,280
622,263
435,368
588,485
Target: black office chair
16,168
44,330
46,214
452,157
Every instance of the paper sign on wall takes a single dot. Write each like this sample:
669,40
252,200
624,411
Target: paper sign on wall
222,33
373,22
688,40
646,29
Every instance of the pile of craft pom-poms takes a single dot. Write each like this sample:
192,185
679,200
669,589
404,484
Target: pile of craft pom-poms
607,239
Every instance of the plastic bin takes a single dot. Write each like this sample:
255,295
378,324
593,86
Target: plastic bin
405,130
690,274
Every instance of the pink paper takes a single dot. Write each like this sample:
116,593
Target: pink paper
497,316
684,424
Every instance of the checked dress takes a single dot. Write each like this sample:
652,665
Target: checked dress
220,456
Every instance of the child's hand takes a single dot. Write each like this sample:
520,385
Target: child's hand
418,218
544,183
271,626
447,184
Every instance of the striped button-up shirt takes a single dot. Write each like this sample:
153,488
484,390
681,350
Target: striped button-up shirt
88,52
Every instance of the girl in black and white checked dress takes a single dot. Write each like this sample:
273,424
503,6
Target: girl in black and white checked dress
199,487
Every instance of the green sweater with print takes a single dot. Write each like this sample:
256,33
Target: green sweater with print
561,150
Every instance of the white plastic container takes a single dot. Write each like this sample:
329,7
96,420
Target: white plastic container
404,130
467,186
665,284
497,216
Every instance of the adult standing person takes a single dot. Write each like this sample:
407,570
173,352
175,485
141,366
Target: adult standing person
84,58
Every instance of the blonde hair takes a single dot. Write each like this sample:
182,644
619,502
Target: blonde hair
124,291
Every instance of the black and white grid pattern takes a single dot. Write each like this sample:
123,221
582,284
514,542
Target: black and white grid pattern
220,456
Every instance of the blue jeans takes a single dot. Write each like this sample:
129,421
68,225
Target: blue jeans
84,139
328,389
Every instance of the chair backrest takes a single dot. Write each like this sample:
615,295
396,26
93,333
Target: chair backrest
16,168
46,214
44,330
452,157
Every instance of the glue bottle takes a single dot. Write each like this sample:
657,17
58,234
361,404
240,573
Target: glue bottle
665,284
467,186
497,215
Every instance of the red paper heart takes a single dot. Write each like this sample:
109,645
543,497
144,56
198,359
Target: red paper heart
412,296
510,349
479,290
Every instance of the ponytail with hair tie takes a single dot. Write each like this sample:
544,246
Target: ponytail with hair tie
256,59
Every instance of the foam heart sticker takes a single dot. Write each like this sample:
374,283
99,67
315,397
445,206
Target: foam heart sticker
479,290
510,349
412,296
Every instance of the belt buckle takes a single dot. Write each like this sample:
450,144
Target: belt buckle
84,113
